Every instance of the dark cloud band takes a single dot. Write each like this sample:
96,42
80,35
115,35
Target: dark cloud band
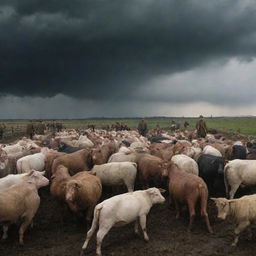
99,49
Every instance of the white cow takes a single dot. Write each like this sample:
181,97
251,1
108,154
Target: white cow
83,141
121,210
116,174
123,157
125,150
210,150
239,173
15,179
186,163
32,162
14,149
21,203
243,211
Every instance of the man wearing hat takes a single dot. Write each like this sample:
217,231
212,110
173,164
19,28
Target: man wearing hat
142,127
2,128
201,127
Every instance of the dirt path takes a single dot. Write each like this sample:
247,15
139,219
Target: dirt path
54,235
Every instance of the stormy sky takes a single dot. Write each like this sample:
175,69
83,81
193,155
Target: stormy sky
115,58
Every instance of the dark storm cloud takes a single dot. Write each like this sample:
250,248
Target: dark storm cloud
107,49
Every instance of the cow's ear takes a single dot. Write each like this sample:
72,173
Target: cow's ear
214,199
150,191
162,190
30,173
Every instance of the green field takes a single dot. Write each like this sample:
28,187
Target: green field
243,125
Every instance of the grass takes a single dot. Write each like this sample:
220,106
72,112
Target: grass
243,125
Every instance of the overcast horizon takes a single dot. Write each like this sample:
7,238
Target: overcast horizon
65,59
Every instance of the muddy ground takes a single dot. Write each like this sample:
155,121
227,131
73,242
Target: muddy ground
58,233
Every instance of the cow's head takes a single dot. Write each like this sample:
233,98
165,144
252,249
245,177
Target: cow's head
223,206
71,190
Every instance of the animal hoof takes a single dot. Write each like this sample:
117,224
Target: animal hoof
233,244
210,231
146,239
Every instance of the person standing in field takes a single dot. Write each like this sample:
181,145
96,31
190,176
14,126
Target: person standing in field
186,124
201,127
143,127
2,127
158,130
30,129
40,127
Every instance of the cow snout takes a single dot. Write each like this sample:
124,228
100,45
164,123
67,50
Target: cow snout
69,196
222,216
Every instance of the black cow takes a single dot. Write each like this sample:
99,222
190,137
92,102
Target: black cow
158,139
63,147
238,152
126,143
211,170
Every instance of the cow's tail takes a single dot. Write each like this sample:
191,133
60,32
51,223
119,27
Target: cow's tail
95,224
226,181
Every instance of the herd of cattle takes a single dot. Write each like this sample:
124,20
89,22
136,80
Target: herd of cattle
77,164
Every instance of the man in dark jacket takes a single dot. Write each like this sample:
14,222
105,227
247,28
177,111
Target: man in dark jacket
142,127
30,129
2,128
201,127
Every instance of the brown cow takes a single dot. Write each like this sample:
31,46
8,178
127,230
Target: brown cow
151,169
50,157
162,150
181,146
78,161
101,154
188,188
83,191
58,182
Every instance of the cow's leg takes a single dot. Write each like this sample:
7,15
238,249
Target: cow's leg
5,230
23,228
177,207
143,222
206,218
170,199
91,230
136,226
129,186
192,214
241,226
233,190
100,235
